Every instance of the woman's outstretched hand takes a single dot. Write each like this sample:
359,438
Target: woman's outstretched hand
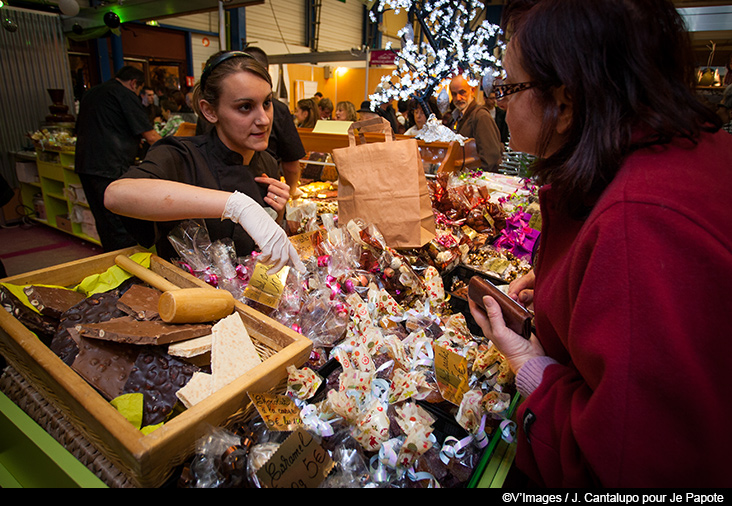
514,347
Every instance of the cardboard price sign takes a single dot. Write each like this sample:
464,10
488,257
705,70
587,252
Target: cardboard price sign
278,412
451,373
300,462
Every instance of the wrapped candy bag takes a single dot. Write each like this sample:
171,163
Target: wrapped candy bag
371,429
416,424
302,383
219,462
323,317
191,241
471,416
301,216
223,256
351,469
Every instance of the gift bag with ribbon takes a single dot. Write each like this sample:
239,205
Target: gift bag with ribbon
383,183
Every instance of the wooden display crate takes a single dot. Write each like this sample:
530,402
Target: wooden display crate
147,460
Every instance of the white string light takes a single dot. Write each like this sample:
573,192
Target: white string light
451,47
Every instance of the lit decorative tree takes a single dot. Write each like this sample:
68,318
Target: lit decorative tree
453,39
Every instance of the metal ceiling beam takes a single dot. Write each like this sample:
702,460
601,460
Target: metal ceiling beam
147,10
315,58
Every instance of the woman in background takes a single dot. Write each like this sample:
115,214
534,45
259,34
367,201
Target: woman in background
306,114
346,111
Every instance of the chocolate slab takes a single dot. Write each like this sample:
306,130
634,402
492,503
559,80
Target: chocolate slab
51,301
129,330
95,308
140,302
105,366
43,326
158,376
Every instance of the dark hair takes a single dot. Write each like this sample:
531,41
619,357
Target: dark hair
325,104
129,73
169,105
627,66
414,104
258,54
308,104
219,66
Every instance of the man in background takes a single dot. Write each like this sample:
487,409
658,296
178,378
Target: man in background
499,114
154,112
473,120
110,125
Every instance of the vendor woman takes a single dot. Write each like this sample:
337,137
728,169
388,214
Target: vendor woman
225,176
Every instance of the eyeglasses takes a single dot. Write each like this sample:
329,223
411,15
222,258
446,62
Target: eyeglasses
504,90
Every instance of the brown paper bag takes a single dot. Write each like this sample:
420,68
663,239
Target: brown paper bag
383,183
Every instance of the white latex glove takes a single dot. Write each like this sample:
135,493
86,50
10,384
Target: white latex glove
277,250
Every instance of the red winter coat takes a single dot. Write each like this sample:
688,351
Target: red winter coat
635,304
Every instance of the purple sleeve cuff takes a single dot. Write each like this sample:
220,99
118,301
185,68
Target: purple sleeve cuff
529,376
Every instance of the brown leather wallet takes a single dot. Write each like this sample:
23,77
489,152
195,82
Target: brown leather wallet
517,317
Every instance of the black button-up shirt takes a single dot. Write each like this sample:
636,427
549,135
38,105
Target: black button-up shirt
206,162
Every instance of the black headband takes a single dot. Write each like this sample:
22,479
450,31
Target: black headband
211,65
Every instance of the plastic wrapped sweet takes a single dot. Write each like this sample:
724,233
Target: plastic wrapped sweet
351,468
259,454
219,462
324,318
302,383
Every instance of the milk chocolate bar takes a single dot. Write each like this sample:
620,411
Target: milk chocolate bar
126,329
104,365
140,302
517,317
52,301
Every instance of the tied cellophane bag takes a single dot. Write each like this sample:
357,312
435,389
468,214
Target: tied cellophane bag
384,184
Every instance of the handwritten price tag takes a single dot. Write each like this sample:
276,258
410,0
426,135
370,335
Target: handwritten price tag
300,462
279,412
265,288
451,373
305,243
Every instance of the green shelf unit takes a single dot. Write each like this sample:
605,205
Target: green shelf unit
57,179
31,458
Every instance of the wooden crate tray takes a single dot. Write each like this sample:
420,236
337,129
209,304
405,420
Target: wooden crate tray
147,460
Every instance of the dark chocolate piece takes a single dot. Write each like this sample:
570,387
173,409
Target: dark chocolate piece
129,330
105,366
43,326
51,301
95,308
158,376
140,302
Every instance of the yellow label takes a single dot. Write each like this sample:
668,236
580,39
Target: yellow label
265,288
305,243
451,373
279,412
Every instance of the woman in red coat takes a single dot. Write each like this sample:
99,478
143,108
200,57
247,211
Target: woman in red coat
627,380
